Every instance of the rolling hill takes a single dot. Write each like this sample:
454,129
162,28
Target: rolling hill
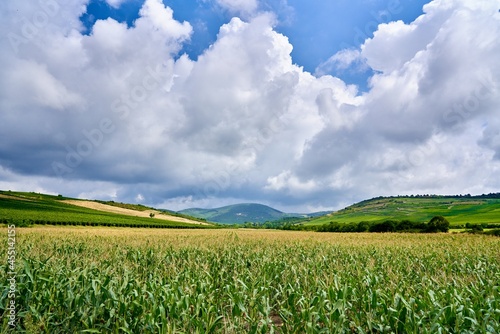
38,208
49,209
242,213
458,210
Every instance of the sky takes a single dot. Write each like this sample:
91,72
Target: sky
301,105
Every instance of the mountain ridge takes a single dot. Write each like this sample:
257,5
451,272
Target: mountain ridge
243,213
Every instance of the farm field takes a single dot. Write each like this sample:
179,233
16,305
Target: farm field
47,209
458,211
129,280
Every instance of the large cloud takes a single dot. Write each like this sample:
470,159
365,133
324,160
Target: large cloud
436,88
120,113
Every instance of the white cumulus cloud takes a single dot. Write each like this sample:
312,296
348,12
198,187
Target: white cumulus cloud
121,112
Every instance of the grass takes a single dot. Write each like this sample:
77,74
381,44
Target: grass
458,211
46,208
117,280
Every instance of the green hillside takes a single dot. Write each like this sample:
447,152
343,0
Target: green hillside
458,210
38,208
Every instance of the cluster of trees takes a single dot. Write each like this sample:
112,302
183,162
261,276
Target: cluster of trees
275,224
479,228
436,224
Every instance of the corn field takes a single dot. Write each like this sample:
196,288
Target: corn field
123,280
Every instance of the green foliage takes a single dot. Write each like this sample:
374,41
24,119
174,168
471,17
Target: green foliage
409,226
438,224
487,229
336,227
495,232
385,226
474,227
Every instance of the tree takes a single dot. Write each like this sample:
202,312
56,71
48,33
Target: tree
438,224
151,214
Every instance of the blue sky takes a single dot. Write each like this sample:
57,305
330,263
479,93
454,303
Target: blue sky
316,29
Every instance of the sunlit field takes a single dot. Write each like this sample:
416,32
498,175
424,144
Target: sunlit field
124,280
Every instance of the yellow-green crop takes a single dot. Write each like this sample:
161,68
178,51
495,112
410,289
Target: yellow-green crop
104,280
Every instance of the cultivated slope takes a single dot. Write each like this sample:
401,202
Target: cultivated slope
458,210
129,212
48,209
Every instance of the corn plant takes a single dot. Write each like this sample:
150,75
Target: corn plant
98,280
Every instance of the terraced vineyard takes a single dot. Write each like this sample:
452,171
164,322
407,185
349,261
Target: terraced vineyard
28,208
457,210
101,280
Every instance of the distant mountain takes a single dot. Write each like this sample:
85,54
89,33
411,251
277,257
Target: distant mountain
242,213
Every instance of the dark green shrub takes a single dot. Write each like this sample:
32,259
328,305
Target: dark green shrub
349,227
330,227
363,226
476,228
495,232
385,226
408,225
